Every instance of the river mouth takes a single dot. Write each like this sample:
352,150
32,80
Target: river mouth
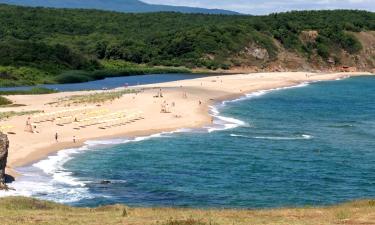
113,82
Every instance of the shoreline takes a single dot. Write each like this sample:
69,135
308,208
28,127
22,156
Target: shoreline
39,153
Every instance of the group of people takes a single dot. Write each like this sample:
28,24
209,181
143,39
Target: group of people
31,128
159,94
164,107
57,138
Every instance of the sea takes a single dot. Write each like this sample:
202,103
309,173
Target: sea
308,145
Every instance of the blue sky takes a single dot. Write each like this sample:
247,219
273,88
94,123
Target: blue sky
268,6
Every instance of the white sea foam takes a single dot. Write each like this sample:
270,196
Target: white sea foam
302,137
35,183
343,77
238,135
263,92
299,137
49,180
222,122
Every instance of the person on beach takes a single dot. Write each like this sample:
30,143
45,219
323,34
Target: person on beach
56,137
74,139
28,127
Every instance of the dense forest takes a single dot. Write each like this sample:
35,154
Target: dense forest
41,45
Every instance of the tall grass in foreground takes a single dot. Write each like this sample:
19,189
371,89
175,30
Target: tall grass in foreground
21,210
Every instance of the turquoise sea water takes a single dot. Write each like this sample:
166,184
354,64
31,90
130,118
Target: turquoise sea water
308,145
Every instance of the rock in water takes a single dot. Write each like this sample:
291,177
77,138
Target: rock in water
105,182
4,145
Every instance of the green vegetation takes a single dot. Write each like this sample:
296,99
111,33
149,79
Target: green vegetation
20,210
4,101
41,45
7,115
32,91
115,68
22,75
95,98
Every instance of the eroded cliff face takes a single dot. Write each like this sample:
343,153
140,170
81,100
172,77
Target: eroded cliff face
4,145
256,59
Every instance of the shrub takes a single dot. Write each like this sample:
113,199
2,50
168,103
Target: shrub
74,76
4,101
351,44
323,51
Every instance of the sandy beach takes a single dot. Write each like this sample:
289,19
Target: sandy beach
186,102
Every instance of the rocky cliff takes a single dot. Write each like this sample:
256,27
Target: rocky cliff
4,144
254,58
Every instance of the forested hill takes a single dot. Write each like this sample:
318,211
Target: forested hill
65,45
134,6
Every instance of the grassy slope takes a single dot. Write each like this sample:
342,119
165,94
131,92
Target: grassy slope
19,210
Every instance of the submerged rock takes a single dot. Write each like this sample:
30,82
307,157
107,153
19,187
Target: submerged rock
105,182
4,145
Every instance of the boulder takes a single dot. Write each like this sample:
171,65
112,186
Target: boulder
255,51
4,145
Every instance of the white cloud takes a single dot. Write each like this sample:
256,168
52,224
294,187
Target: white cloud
269,6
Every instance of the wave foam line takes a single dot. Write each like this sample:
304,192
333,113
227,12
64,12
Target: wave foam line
224,123
301,137
260,93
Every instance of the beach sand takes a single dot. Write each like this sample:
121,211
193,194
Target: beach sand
189,111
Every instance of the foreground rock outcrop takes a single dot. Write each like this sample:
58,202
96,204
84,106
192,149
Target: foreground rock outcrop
4,145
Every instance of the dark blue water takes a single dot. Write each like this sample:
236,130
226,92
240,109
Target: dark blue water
312,145
113,82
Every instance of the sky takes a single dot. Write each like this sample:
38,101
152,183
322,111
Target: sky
259,7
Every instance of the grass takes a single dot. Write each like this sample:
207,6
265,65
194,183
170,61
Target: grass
32,91
4,101
21,210
95,98
9,114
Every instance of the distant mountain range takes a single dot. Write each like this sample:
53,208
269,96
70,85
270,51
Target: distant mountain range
130,6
